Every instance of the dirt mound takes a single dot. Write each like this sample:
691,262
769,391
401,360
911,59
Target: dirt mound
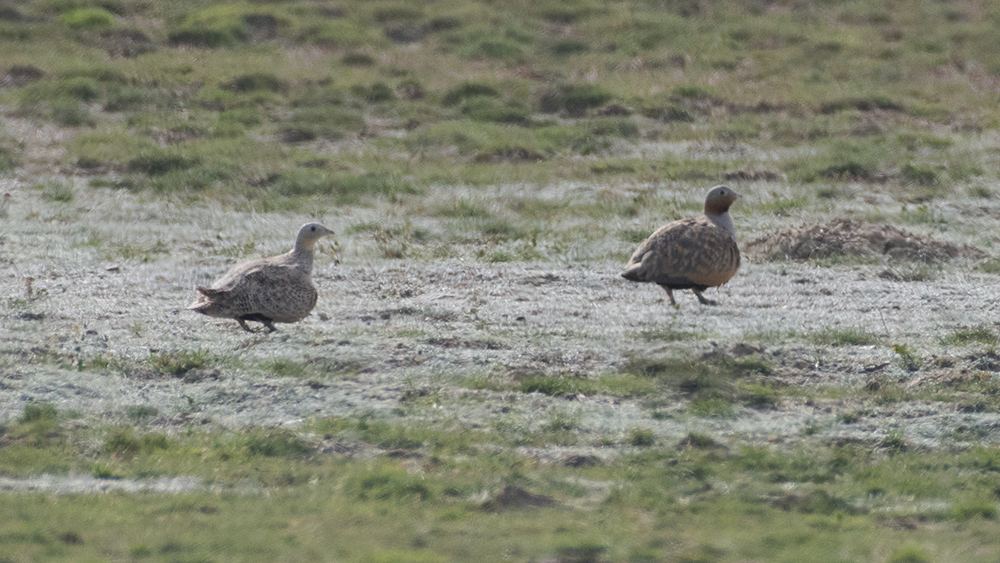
512,497
844,237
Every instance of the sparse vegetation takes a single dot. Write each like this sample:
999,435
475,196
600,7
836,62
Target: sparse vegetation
713,384
846,483
180,362
907,356
878,134
979,334
843,337
641,437
476,380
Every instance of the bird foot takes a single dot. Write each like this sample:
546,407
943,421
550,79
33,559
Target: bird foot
705,300
270,329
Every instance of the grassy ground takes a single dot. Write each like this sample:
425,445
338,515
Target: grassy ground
476,379
439,494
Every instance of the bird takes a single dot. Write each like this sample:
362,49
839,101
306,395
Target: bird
277,289
695,253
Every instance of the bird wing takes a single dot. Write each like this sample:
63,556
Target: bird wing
261,277
273,266
240,280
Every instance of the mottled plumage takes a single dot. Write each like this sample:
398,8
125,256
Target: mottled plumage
271,290
694,253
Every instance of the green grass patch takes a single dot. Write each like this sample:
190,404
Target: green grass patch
574,99
275,443
255,81
121,442
783,206
626,385
858,160
341,33
641,437
908,356
399,435
88,18
331,123
138,251
341,188
485,108
160,162
502,230
388,483
713,406
759,396
990,266
868,103
850,336
285,368
886,391
180,362
668,334
465,90
229,24
61,192
502,50
555,385
665,111
39,413
791,501
35,441
617,385
464,208
979,334
910,555
139,413
712,384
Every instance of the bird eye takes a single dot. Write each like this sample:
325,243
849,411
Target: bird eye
313,229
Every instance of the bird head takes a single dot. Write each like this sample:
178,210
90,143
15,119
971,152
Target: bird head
719,199
309,234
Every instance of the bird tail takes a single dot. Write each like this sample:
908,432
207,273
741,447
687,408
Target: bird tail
204,300
631,273
207,291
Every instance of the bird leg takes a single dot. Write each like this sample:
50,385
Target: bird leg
255,317
670,294
704,300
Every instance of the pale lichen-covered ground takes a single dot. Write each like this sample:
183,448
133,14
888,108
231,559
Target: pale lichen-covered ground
404,337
